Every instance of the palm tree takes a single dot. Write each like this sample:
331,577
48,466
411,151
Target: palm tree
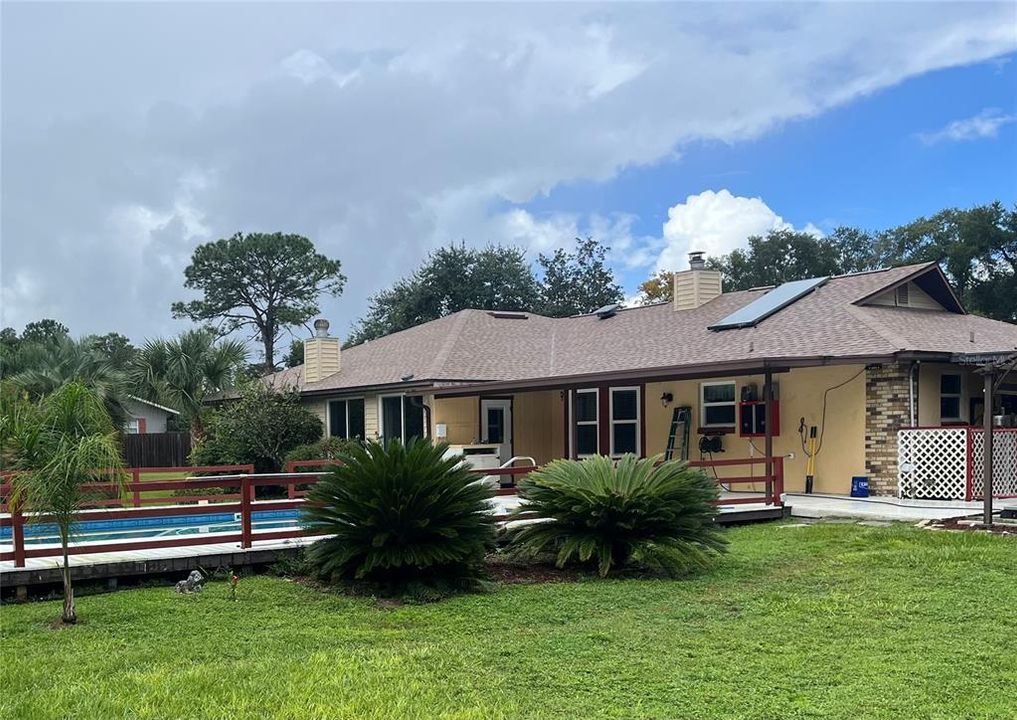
41,369
55,447
183,372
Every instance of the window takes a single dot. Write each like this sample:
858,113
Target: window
950,393
624,420
346,418
717,404
402,417
132,426
587,429
495,425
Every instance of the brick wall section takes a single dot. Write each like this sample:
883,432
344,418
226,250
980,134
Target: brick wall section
887,409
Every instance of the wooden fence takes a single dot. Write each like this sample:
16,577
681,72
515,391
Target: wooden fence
146,450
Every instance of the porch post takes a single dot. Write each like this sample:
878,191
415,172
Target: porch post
767,421
987,445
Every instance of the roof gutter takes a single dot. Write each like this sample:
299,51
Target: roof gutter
407,386
673,372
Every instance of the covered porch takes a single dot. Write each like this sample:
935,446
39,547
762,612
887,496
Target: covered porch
715,418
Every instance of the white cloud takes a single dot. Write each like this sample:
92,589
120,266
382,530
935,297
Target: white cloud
308,67
985,124
381,135
716,223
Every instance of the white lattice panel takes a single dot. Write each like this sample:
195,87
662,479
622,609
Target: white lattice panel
932,463
1004,463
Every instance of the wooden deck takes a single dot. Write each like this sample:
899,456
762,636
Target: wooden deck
179,560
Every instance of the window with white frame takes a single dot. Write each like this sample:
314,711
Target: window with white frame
586,425
717,404
401,417
951,393
624,420
132,426
346,418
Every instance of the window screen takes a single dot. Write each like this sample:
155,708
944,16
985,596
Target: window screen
355,419
391,418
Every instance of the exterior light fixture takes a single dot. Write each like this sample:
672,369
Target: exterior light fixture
666,399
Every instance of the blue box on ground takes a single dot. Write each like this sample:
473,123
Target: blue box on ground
860,486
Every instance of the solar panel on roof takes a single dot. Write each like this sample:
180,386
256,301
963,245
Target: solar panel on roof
763,307
607,311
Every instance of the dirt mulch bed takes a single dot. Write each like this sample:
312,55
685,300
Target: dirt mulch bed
973,523
509,572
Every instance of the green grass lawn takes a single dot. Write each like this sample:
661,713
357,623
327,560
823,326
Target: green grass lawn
828,621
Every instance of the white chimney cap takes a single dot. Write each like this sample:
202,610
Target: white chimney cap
321,327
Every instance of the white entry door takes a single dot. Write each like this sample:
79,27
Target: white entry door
496,425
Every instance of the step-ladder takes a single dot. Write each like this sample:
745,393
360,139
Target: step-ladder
681,419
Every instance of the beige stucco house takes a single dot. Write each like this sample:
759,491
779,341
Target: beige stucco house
858,357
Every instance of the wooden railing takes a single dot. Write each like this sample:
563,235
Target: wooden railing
773,482
240,503
239,500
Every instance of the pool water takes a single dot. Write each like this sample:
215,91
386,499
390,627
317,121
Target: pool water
151,527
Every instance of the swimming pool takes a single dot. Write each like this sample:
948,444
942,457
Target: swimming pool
150,527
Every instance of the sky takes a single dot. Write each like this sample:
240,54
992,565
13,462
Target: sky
133,132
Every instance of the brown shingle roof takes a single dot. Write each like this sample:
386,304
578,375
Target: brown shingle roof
474,345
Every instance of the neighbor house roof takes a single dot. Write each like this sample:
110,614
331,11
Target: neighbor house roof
135,398
833,323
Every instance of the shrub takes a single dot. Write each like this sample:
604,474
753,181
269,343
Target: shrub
635,512
403,518
260,428
328,448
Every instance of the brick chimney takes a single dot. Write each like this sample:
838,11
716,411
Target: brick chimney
321,353
697,285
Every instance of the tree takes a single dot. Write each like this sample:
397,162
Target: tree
116,348
261,428
451,279
44,332
781,256
296,354
185,371
659,288
977,249
55,447
9,340
41,367
267,282
577,282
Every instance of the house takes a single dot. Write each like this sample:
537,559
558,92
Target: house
144,416
858,357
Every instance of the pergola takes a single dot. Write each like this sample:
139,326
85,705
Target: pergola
994,369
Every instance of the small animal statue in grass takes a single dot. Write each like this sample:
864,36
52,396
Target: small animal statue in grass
192,584
234,580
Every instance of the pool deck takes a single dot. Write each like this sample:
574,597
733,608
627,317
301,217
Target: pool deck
108,566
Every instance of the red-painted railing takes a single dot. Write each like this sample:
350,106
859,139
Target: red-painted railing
773,483
241,502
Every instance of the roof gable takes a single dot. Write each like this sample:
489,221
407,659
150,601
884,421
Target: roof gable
929,279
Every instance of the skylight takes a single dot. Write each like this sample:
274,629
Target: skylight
765,306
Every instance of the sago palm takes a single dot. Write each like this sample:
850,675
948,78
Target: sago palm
400,516
184,371
643,511
54,448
